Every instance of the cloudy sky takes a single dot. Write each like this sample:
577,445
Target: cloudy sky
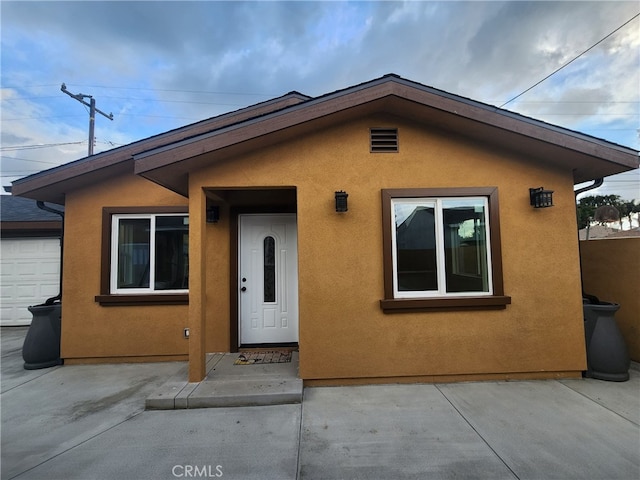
161,65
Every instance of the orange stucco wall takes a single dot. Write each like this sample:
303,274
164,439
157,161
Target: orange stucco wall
610,272
343,332
91,332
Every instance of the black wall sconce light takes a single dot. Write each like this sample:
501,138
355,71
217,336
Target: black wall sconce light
540,198
341,201
213,214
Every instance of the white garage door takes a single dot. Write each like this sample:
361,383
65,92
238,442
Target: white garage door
29,274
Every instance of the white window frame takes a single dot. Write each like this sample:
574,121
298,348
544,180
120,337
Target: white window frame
115,227
436,203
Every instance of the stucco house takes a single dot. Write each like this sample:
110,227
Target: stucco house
389,230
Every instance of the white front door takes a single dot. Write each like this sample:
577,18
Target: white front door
268,279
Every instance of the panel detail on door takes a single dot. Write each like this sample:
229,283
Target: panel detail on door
268,279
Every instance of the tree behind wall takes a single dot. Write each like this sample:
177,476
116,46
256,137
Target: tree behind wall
587,207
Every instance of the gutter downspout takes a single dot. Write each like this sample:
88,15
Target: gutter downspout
596,183
42,206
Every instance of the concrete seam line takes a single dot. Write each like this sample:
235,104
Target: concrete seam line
477,432
50,369
597,402
300,434
77,445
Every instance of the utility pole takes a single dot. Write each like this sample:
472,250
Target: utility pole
92,112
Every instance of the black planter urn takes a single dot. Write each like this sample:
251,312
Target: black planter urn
607,353
41,348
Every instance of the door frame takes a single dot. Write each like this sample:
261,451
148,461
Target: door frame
234,252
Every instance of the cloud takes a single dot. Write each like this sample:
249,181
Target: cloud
161,65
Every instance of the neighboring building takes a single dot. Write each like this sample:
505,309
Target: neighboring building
440,269
29,257
597,232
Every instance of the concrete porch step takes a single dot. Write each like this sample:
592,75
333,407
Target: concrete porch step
229,385
244,393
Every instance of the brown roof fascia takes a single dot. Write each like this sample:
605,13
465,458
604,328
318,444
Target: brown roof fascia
47,228
387,86
257,127
110,158
522,125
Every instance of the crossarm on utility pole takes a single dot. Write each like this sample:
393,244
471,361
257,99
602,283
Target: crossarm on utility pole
92,112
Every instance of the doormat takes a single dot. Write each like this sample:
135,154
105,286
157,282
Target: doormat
272,356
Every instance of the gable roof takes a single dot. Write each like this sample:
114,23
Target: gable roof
166,159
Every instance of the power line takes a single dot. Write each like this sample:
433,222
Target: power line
16,99
199,92
41,145
578,101
2,157
175,101
571,61
39,117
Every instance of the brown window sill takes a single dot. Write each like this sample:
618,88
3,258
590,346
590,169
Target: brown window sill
128,300
399,305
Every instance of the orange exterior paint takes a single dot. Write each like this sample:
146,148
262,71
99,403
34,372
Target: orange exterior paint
343,332
610,272
91,332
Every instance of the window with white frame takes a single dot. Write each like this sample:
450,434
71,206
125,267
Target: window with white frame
442,249
149,253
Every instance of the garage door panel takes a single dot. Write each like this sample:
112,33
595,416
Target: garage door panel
51,268
48,291
52,248
34,291
19,315
25,291
30,248
26,268
9,248
8,269
6,292
22,269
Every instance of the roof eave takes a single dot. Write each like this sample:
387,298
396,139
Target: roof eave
554,140
52,184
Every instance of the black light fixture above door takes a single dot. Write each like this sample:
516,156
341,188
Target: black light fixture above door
213,214
341,201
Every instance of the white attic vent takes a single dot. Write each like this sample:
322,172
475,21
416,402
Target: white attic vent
384,140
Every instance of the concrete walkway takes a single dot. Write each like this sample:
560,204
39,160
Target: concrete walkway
89,422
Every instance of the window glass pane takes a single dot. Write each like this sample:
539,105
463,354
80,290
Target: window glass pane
269,269
415,246
172,253
465,245
133,253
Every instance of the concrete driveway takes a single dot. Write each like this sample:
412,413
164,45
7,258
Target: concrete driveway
88,422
